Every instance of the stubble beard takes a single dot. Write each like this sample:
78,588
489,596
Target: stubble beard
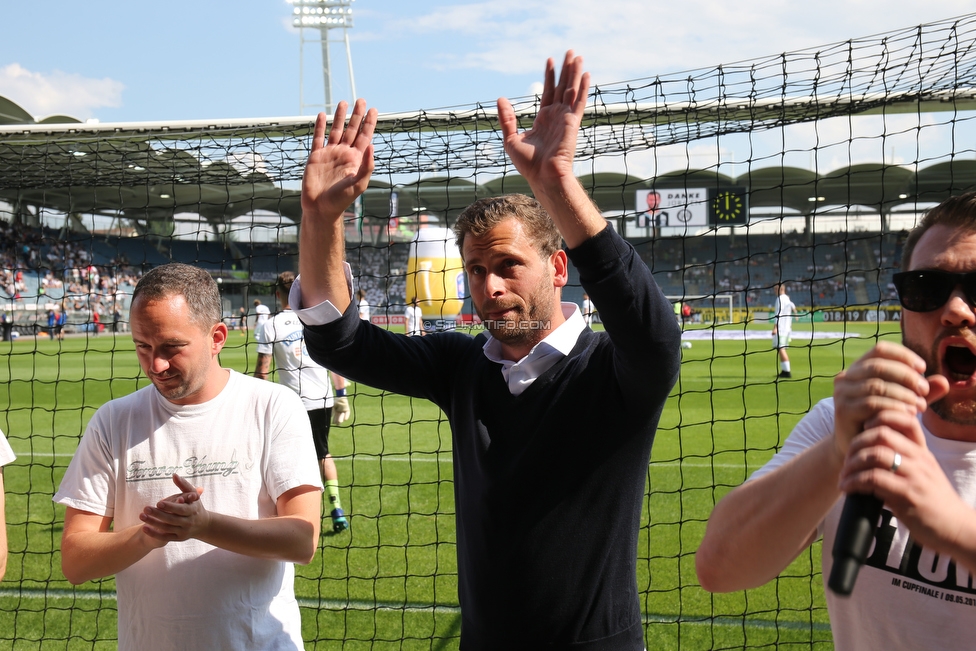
523,328
178,392
959,409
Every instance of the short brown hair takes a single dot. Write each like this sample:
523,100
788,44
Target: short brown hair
484,214
955,212
196,286
284,281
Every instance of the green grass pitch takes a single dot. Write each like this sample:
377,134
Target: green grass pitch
390,582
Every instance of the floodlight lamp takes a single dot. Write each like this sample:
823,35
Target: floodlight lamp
164,196
902,196
322,3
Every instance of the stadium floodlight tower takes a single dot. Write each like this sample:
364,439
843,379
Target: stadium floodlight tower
324,16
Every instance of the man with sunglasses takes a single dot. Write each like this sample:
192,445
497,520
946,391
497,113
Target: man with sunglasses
901,426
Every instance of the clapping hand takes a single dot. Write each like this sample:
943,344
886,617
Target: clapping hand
178,517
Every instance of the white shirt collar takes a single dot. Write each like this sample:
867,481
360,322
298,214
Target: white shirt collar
560,342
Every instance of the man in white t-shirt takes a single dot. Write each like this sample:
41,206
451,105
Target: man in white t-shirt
262,313
414,319
901,426
199,492
782,328
282,337
6,456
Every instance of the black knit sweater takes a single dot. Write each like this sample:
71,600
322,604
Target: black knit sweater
548,484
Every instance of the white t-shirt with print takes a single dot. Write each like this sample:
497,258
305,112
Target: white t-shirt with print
284,337
906,596
245,448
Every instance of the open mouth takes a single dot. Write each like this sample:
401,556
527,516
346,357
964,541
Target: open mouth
959,363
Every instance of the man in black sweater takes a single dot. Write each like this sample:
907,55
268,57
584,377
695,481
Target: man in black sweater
552,423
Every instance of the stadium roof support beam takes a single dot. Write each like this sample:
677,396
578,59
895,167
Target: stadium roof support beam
754,112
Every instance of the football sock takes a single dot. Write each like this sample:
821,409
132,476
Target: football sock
332,490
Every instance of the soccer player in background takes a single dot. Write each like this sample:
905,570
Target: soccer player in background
209,566
552,423
588,310
413,319
261,314
363,305
902,426
783,328
281,337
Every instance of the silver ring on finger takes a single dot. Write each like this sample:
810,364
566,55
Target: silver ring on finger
896,463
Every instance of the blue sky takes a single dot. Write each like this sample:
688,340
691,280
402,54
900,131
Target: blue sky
173,60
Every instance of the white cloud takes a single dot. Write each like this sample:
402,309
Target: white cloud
626,39
44,94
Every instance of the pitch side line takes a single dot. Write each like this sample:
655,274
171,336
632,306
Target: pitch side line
709,334
332,604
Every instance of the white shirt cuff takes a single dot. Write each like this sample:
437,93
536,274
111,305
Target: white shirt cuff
323,313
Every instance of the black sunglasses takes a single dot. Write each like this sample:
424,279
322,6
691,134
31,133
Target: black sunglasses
926,290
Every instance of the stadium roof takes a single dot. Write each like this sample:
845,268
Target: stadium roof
152,171
13,114
222,169
877,187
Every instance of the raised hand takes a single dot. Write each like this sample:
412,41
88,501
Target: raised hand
889,377
544,153
339,167
178,517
